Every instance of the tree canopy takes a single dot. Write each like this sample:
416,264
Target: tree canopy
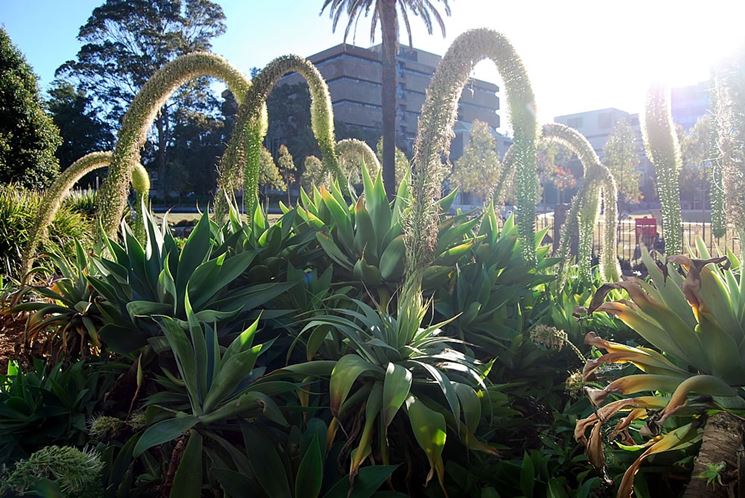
28,137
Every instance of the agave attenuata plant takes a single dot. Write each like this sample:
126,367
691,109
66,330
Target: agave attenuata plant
390,365
692,313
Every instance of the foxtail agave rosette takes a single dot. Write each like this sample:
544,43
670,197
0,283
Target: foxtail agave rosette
694,321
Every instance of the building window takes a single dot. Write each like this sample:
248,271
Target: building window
605,120
575,123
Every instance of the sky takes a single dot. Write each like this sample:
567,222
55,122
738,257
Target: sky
580,54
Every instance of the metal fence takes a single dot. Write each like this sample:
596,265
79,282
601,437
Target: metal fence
629,240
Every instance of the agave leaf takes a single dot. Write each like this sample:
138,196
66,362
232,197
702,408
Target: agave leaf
214,275
393,259
372,409
376,203
345,373
195,252
187,482
707,385
333,251
162,432
230,375
668,442
430,432
310,472
365,241
184,354
396,387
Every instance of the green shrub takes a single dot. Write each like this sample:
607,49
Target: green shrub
18,207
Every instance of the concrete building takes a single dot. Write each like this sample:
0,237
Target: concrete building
354,77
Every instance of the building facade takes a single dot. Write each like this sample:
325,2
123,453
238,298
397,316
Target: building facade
354,76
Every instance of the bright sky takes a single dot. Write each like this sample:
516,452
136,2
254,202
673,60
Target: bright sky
580,54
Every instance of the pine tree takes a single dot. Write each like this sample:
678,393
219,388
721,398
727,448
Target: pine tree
28,137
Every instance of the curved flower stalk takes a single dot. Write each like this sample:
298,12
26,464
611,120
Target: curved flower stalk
508,165
112,197
730,129
584,216
250,130
357,152
436,132
56,193
663,150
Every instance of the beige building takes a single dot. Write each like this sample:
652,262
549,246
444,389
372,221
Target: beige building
354,76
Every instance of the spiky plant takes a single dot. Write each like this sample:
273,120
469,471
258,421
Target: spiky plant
691,312
597,178
250,129
354,153
435,133
730,126
57,192
142,113
75,473
663,150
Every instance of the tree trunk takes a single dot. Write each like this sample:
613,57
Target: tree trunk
723,434
389,27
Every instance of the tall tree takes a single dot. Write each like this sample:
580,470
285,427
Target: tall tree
28,137
126,41
287,168
387,12
81,129
477,170
621,156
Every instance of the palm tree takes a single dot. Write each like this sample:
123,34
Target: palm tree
387,12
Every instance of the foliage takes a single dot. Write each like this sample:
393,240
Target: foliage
144,108
125,43
386,13
18,210
585,208
286,167
435,132
313,174
70,471
28,137
353,156
478,169
730,109
402,165
621,157
65,320
49,404
269,174
81,129
394,358
693,321
251,128
137,282
663,150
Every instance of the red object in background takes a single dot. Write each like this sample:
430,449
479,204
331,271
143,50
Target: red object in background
646,231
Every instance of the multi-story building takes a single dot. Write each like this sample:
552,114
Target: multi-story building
354,76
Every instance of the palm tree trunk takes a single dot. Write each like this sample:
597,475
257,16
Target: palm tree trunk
389,27
723,437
